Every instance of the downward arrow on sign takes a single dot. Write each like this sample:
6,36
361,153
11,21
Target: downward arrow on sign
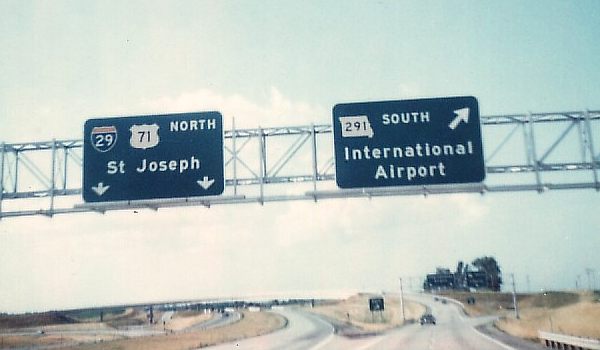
100,189
205,183
461,115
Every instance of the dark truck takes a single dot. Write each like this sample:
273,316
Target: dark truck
427,319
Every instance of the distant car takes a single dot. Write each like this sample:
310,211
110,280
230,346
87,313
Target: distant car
444,301
427,319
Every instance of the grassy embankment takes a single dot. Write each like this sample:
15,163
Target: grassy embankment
352,316
252,324
575,314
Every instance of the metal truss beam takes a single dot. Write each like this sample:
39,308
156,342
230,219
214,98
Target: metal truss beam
556,151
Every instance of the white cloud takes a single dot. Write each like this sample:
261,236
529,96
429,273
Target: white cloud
231,249
407,91
278,110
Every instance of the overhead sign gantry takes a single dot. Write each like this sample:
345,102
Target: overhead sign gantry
151,157
36,176
408,142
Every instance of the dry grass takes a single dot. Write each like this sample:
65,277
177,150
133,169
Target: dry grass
14,341
486,303
355,311
77,327
559,312
492,303
252,324
181,321
581,319
132,317
34,320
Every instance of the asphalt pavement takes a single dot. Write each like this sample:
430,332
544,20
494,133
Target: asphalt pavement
307,331
304,331
453,331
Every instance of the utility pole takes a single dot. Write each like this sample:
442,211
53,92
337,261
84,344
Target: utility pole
402,301
514,295
528,284
590,272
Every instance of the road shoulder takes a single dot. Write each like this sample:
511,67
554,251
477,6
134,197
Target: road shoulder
491,331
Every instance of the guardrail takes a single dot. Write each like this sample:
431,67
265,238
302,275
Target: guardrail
567,342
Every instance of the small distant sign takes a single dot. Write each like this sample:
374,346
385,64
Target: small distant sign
376,304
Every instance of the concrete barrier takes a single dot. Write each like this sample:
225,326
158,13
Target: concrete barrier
567,342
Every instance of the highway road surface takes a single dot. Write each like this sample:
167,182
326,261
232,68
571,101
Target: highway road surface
218,320
453,331
304,331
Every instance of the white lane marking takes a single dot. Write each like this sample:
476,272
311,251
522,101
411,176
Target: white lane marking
323,342
167,316
371,344
329,338
497,342
461,307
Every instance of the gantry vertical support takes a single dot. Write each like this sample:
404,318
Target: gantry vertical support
263,164
315,171
16,176
234,155
583,143
1,176
52,178
590,144
65,165
533,153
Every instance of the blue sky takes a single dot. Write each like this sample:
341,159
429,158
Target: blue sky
274,63
77,59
